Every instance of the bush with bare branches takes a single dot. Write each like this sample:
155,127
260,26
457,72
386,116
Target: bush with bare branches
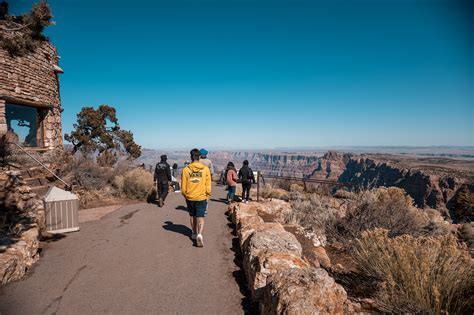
388,208
135,184
431,275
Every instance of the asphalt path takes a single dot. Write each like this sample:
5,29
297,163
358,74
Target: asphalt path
137,260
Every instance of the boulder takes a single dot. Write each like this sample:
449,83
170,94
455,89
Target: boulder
266,263
318,257
302,291
274,207
255,224
267,250
273,238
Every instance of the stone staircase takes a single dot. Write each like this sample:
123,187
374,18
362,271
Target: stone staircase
37,179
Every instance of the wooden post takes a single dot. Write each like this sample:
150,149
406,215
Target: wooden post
258,186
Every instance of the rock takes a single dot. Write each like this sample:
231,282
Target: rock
318,257
274,207
26,219
266,263
243,212
274,239
19,257
256,224
302,291
24,189
269,249
247,226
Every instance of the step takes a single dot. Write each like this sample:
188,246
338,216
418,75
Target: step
33,172
40,190
36,181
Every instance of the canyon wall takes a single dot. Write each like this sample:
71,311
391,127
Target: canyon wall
433,182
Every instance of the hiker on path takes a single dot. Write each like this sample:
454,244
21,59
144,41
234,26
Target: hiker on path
196,189
231,181
162,178
247,178
175,169
205,160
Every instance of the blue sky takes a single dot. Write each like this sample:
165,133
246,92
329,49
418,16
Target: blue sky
264,74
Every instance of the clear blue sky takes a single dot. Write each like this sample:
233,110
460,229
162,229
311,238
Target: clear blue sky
263,74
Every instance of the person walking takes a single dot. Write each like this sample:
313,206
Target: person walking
175,169
205,160
196,189
247,178
162,178
231,181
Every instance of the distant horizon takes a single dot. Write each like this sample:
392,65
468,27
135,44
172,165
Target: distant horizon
316,148
270,74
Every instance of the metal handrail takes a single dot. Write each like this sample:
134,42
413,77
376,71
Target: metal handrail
68,187
303,180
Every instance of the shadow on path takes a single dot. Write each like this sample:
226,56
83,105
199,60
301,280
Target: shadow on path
248,305
222,200
183,208
178,228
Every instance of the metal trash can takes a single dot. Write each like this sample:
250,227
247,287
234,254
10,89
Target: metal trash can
61,211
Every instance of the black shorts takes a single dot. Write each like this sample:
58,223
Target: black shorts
197,208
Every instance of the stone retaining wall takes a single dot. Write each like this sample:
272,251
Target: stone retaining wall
23,214
280,279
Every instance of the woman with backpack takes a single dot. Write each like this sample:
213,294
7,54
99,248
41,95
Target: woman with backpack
231,181
247,178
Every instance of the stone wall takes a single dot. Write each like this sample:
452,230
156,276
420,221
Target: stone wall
22,220
279,277
32,80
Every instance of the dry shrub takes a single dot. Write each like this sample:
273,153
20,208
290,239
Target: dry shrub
388,208
313,212
431,275
283,184
268,191
89,175
135,184
95,198
344,194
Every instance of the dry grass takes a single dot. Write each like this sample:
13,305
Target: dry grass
135,184
432,275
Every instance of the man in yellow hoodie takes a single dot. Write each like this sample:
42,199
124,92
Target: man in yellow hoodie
196,189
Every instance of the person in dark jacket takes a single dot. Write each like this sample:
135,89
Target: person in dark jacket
246,177
162,178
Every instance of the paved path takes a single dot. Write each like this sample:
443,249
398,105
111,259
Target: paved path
138,259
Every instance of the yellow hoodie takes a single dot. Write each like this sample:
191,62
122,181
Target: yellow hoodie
196,182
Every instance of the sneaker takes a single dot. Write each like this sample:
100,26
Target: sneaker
193,236
199,241
160,203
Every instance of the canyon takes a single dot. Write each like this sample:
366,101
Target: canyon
432,180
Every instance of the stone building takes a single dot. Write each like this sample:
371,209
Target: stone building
30,105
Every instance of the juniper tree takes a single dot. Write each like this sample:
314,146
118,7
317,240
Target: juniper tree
98,130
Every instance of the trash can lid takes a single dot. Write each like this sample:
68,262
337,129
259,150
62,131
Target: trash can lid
57,194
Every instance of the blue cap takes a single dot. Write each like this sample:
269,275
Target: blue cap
203,152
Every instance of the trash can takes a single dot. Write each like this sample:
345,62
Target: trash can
61,211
